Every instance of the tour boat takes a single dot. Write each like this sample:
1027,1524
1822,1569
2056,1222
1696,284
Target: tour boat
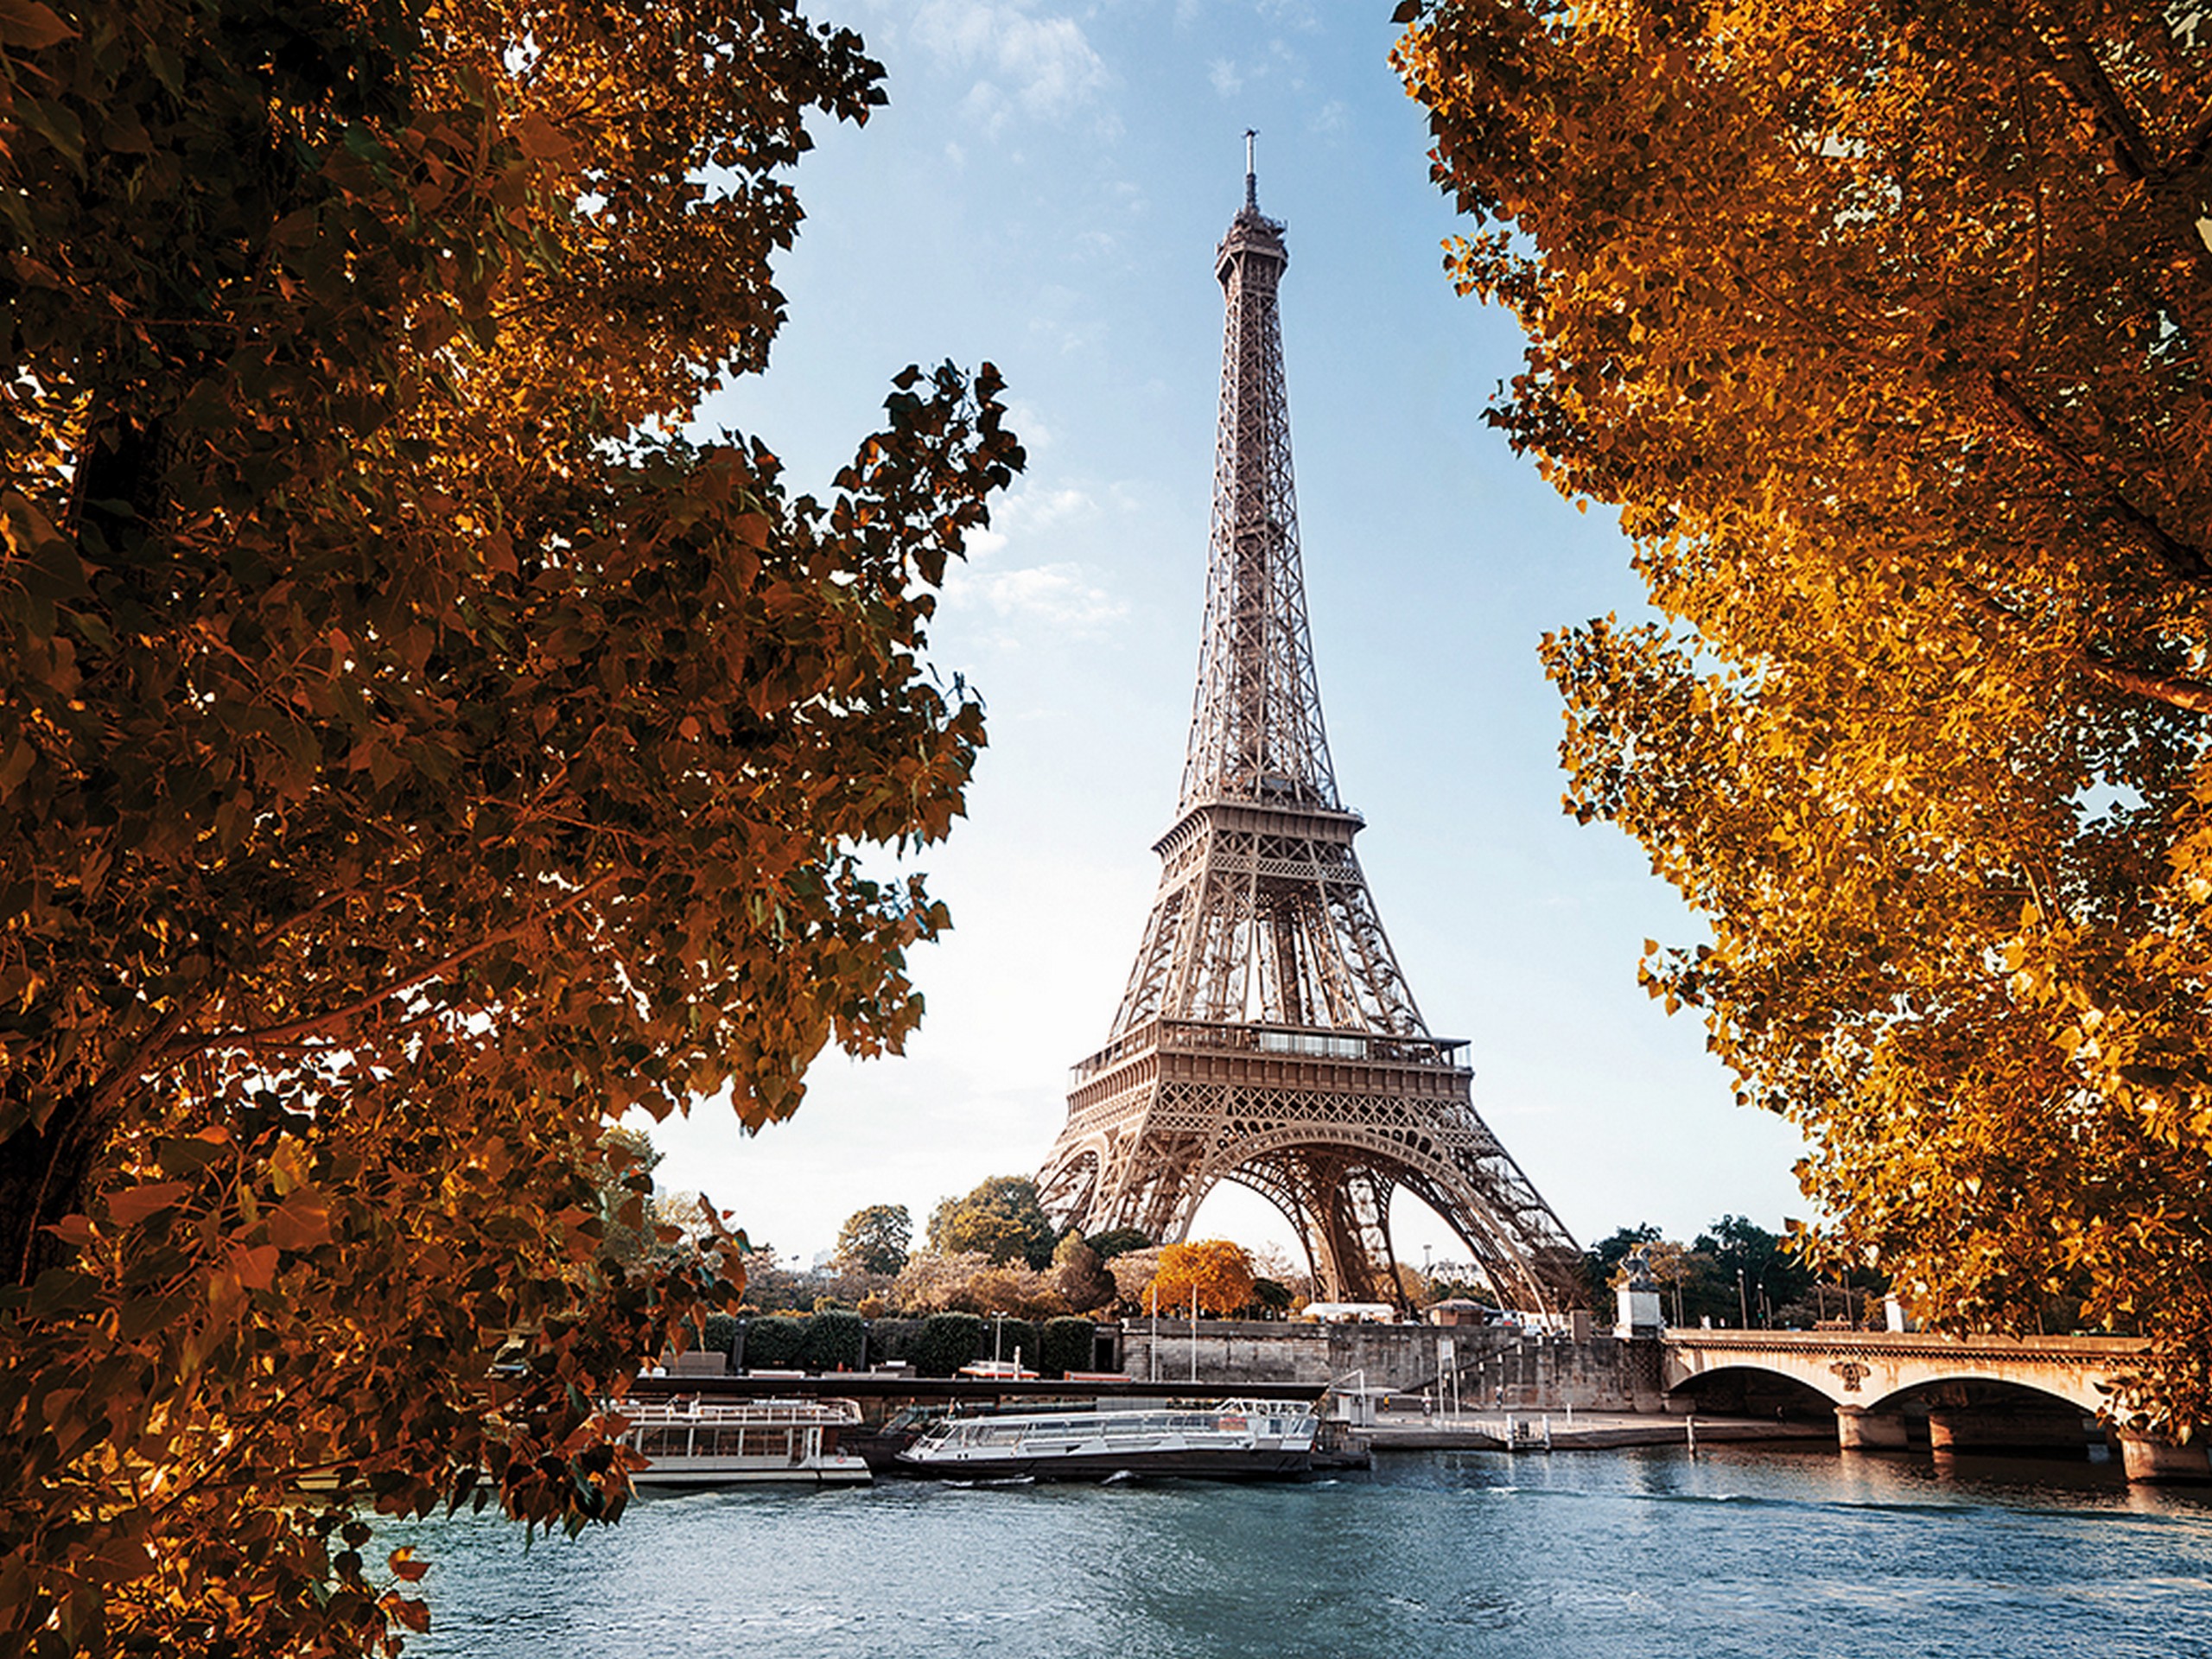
1226,1440
742,1443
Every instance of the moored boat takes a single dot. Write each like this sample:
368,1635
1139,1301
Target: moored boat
690,1443
1227,1440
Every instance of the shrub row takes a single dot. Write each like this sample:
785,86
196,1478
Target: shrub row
937,1346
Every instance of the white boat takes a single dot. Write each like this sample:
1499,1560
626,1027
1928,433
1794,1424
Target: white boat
742,1443
1225,1440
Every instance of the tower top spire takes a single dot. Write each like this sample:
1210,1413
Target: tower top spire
1255,727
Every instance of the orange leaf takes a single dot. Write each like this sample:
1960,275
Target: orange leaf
133,1204
405,1567
26,22
540,140
256,1265
75,1231
301,1222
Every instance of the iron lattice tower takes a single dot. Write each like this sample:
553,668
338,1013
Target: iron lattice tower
1267,1036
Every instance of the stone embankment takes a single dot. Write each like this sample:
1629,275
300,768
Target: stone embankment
1398,1430
1471,1368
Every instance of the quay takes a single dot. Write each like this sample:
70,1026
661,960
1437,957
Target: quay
1396,1428
1420,1386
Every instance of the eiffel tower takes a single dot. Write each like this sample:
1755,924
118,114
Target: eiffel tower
1267,1036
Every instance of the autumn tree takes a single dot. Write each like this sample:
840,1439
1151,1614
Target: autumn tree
414,753
628,1159
1883,325
1001,1217
1134,1270
1116,1241
875,1240
970,1282
1216,1271
1081,1276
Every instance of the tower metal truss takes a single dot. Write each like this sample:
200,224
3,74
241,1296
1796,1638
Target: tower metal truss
1267,1036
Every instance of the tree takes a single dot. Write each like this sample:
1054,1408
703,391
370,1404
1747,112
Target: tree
1116,1241
414,754
1081,1277
1001,1217
1215,1271
970,1282
1134,1270
874,1240
625,1171
1883,325
1772,1274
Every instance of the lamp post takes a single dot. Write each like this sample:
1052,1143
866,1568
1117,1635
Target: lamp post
1154,1345
1742,1300
998,1326
1194,1331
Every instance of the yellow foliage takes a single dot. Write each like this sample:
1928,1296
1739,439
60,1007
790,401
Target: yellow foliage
1214,1270
412,757
1884,328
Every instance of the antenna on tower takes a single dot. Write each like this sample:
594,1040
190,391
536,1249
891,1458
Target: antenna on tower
1251,180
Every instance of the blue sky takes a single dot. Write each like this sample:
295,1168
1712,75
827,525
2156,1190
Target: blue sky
1045,190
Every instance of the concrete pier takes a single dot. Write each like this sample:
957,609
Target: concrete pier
2007,1426
2155,1457
1859,1429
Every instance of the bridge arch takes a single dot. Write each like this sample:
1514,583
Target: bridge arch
1880,1369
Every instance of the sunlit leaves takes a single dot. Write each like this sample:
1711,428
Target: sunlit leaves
413,758
1213,1273
1882,325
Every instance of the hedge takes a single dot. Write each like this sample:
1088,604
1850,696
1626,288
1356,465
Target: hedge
1067,1346
833,1340
721,1336
893,1339
1015,1336
774,1342
948,1342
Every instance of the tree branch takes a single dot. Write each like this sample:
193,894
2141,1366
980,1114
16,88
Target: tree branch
2188,560
2179,691
291,1030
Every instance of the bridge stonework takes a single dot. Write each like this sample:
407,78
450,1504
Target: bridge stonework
1865,1368
1978,1392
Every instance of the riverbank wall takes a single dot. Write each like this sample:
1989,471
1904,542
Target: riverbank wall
1480,1367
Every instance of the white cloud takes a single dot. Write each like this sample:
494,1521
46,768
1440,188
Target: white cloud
1040,66
1055,595
1026,514
1041,509
1029,424
1226,80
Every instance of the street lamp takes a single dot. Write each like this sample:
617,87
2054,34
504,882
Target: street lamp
1155,1343
1194,1331
998,1325
1742,1300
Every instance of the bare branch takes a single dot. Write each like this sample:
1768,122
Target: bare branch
292,1031
2195,696
2185,559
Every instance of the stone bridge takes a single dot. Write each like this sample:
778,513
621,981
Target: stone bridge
1973,1393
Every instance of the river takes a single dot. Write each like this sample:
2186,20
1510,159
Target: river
1654,1554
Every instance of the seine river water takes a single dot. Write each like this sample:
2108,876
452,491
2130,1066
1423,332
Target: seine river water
1582,1555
